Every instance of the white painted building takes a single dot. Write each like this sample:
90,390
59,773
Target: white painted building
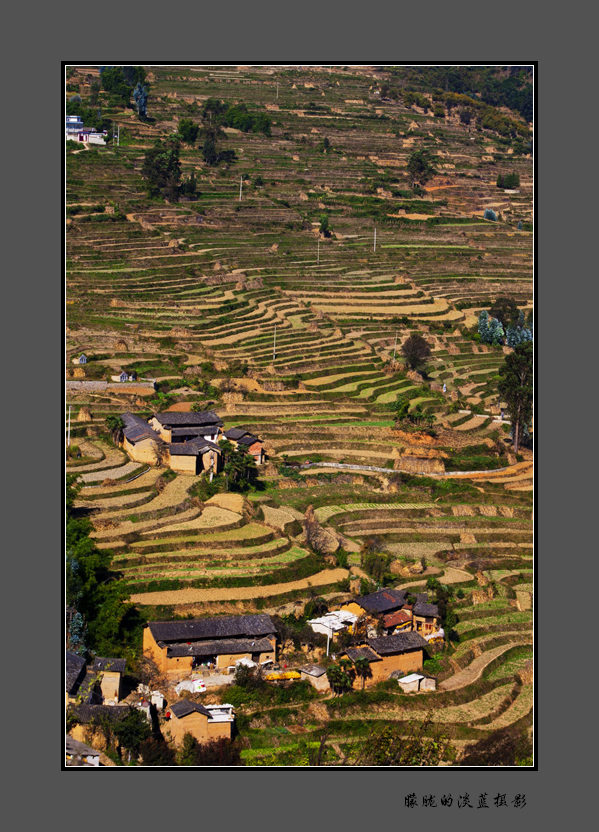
333,622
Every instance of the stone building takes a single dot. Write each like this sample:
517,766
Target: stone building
180,646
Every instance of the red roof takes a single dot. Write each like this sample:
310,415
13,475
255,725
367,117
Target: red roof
396,618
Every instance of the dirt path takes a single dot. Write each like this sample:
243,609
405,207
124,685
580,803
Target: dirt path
191,596
475,668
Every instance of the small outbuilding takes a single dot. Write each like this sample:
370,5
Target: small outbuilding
414,682
110,672
316,675
204,722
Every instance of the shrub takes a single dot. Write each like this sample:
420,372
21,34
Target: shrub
490,215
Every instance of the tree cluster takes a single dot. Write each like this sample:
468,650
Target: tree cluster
421,167
490,329
239,470
508,180
218,113
103,620
162,169
123,81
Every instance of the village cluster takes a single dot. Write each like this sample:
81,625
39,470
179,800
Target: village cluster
186,442
194,654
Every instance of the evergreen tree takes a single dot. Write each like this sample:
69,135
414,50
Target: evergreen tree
516,388
421,167
140,96
161,167
188,131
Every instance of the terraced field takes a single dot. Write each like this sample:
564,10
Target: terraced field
241,305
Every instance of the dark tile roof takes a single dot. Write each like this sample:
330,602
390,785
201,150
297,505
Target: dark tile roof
185,707
362,653
74,671
427,610
137,428
218,647
193,447
385,600
75,747
401,643
312,670
88,692
195,431
249,439
113,665
177,419
226,626
235,433
85,713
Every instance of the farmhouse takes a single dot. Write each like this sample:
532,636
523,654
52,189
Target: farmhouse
182,427
402,652
81,360
243,438
180,646
390,608
144,443
139,440
376,604
204,722
425,616
194,456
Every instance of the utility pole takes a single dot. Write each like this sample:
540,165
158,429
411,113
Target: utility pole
374,249
318,251
240,187
274,344
118,135
69,429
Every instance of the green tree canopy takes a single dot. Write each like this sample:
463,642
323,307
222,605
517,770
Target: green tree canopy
132,730
188,130
516,388
421,167
239,469
415,350
162,169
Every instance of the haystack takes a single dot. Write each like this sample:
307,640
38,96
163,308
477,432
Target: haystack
84,415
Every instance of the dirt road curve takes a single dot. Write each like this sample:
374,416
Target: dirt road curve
190,596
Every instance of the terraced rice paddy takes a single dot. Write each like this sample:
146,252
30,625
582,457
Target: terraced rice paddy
240,306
